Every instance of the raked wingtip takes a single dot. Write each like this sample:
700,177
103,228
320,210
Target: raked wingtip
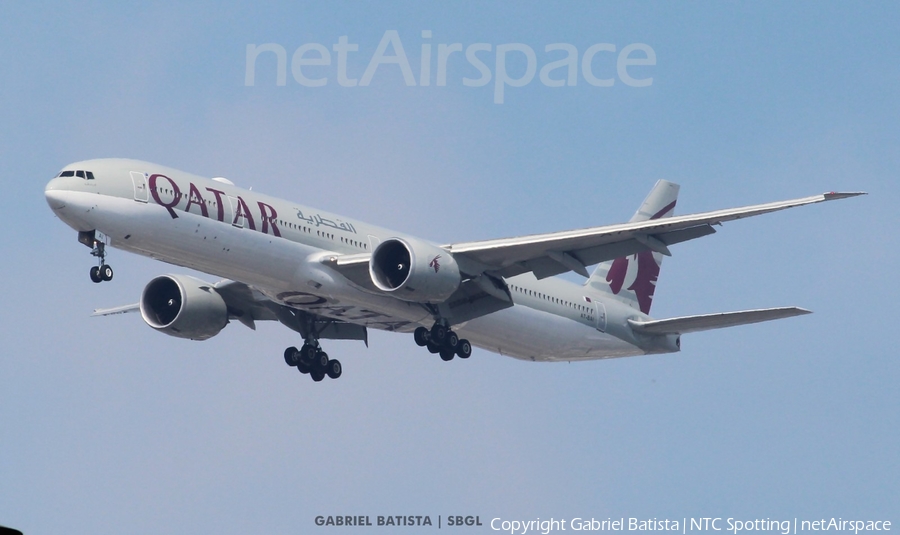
834,195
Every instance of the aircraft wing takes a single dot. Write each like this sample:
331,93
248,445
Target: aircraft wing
248,305
551,254
124,309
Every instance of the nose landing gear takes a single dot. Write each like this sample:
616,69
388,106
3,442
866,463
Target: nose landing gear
94,240
101,273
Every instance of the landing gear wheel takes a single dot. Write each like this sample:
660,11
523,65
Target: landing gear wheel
303,368
95,274
447,353
452,340
291,356
106,272
438,333
421,336
333,369
433,348
464,349
317,375
320,362
307,352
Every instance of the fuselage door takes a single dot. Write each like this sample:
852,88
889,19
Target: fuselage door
141,192
601,316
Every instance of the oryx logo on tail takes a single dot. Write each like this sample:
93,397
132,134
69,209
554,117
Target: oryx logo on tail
633,278
645,276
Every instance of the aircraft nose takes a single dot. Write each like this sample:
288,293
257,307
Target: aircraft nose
55,194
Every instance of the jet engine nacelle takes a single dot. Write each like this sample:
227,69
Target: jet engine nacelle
183,306
413,270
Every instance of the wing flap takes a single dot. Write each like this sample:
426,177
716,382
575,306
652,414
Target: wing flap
547,266
325,328
245,304
476,297
704,322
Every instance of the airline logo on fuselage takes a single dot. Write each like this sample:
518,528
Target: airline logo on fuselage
267,214
435,263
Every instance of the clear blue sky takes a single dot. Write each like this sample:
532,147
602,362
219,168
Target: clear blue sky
107,427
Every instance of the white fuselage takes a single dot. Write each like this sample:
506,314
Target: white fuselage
275,246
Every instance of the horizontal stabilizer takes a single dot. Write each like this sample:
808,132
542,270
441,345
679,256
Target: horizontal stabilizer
117,310
704,322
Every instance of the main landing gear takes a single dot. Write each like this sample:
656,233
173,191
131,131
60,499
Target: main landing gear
442,340
310,359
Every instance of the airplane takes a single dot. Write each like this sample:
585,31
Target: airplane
330,277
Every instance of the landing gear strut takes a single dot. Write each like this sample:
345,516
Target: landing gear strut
310,359
442,340
101,272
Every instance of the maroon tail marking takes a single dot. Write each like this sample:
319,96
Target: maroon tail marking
616,275
664,210
645,282
647,271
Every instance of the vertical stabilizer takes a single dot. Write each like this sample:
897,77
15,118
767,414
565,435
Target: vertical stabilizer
632,279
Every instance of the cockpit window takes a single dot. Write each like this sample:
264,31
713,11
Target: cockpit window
87,175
